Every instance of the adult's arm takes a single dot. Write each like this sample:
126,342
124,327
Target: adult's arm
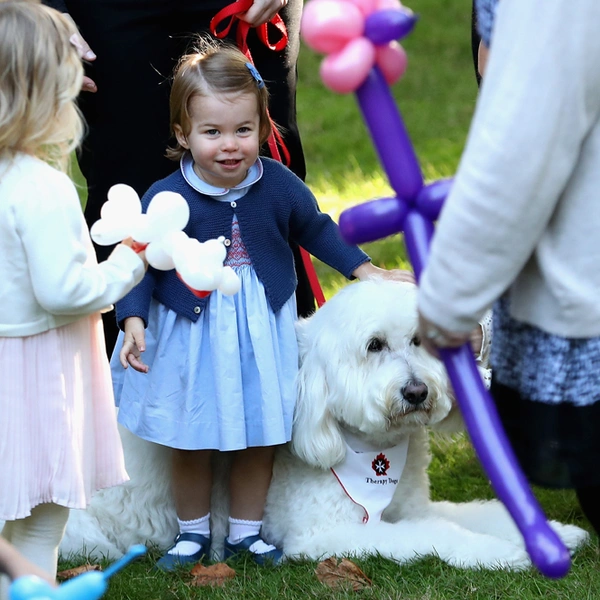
538,101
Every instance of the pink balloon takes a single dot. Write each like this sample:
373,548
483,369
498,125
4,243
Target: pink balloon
392,61
345,71
386,4
366,6
328,25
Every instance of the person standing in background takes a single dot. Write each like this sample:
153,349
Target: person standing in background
131,49
519,230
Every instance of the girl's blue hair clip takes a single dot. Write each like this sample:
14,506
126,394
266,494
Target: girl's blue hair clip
256,75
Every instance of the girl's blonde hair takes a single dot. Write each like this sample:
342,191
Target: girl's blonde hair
211,70
40,77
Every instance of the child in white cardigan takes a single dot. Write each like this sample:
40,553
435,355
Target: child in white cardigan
58,434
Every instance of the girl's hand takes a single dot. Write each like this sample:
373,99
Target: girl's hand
139,249
369,271
134,343
262,11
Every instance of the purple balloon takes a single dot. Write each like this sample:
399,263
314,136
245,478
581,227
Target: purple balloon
431,198
543,544
387,25
547,551
417,236
390,136
373,220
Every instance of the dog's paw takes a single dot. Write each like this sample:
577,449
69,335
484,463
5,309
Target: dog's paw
572,536
493,554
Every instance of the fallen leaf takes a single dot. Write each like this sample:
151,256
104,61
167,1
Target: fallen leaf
213,575
70,573
341,574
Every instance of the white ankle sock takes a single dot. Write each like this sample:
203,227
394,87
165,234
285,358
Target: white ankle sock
201,526
239,530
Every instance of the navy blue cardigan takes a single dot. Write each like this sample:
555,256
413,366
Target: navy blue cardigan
277,208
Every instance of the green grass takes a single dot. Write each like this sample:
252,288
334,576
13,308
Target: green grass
428,579
437,98
455,475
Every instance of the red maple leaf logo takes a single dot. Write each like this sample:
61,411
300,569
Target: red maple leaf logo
380,465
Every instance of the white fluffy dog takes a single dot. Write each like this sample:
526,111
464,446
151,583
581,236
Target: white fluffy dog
354,480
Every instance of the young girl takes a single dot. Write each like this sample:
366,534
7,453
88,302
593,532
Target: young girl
58,435
223,368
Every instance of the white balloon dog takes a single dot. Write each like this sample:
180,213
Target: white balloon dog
160,232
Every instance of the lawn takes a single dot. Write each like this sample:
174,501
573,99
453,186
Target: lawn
436,97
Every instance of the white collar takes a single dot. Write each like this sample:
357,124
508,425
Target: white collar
255,172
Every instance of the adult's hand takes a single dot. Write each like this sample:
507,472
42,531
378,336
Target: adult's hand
368,271
262,11
433,337
86,53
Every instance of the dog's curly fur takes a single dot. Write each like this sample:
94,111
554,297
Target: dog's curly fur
360,358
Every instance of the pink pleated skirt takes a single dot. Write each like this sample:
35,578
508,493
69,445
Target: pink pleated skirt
58,431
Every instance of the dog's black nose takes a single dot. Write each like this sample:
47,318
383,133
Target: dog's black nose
415,392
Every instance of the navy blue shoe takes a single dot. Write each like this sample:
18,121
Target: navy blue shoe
170,562
272,557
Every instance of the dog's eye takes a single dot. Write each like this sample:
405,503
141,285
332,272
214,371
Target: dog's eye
376,345
416,341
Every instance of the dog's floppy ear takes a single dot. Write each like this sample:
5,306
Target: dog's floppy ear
316,436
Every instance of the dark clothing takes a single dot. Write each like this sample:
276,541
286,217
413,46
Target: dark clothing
475,39
138,43
557,445
589,501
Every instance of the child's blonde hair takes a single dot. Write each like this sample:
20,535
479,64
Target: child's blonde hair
214,69
40,77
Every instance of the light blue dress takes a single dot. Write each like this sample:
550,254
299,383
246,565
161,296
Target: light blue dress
225,382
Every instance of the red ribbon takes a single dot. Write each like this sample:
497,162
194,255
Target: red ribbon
275,141
238,8
138,247
197,293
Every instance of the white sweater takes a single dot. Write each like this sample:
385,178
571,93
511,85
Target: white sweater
524,212
49,275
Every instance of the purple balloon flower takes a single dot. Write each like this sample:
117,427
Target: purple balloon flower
413,210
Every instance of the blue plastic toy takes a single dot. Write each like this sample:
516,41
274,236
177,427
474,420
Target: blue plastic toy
87,586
